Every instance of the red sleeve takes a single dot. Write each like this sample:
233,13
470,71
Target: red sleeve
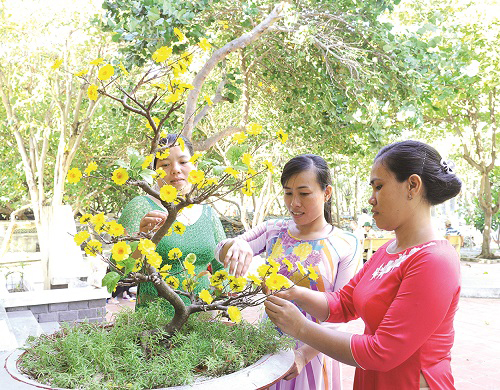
430,283
340,303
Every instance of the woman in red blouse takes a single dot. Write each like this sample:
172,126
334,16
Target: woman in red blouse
406,294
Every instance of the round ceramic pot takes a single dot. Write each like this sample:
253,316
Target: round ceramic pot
263,373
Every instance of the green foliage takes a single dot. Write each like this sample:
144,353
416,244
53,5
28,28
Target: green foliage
89,356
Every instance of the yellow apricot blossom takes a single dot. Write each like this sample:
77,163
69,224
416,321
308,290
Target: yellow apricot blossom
122,68
93,247
82,72
163,155
208,100
256,281
106,72
179,228
179,34
237,284
120,251
205,296
115,229
85,218
189,267
147,161
195,157
282,136
269,165
162,54
154,259
254,129
231,171
97,61
249,187
74,175
234,314
172,281
277,281
146,246
161,172
57,63
239,137
196,176
92,92
168,193
120,176
90,168
80,237
217,278
204,44
174,253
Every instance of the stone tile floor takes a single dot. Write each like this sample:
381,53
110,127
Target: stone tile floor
475,355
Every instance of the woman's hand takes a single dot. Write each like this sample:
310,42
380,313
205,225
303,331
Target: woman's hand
285,315
298,365
238,257
152,221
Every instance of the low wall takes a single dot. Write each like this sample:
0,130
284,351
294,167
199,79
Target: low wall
61,305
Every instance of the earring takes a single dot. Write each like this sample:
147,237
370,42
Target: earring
410,197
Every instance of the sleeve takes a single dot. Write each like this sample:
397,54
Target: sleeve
219,236
133,212
422,302
349,261
256,237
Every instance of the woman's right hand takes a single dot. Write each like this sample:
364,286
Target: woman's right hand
238,256
152,221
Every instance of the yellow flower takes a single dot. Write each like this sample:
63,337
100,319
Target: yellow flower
288,264
115,229
301,268
168,193
217,278
81,73
85,218
184,86
239,137
146,246
231,171
254,129
264,270
179,228
252,171
282,136
163,155
223,23
92,92
161,86
81,237
303,250
211,181
154,259
155,120
247,159
234,314
312,273
160,172
98,220
255,280
181,143
106,72
277,282
188,285
173,98
196,176
205,296
269,165
97,61
90,168
189,267
74,175
57,63
148,160
249,187
208,100
237,284
93,247
162,54
122,68
179,34
204,44
195,157
260,84
174,253
137,265
120,176
121,250
173,282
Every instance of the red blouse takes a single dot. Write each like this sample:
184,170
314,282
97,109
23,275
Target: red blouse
408,301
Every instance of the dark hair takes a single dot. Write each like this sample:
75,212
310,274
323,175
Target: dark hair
406,158
169,140
305,162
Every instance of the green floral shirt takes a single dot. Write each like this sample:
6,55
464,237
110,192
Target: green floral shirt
200,238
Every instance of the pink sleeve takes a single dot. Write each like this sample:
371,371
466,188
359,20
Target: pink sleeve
429,285
340,304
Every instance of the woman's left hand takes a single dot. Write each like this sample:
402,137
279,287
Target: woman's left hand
285,315
298,365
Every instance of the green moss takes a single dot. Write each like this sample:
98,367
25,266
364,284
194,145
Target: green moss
89,356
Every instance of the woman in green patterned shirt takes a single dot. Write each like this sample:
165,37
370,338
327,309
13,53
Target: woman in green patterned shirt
203,227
